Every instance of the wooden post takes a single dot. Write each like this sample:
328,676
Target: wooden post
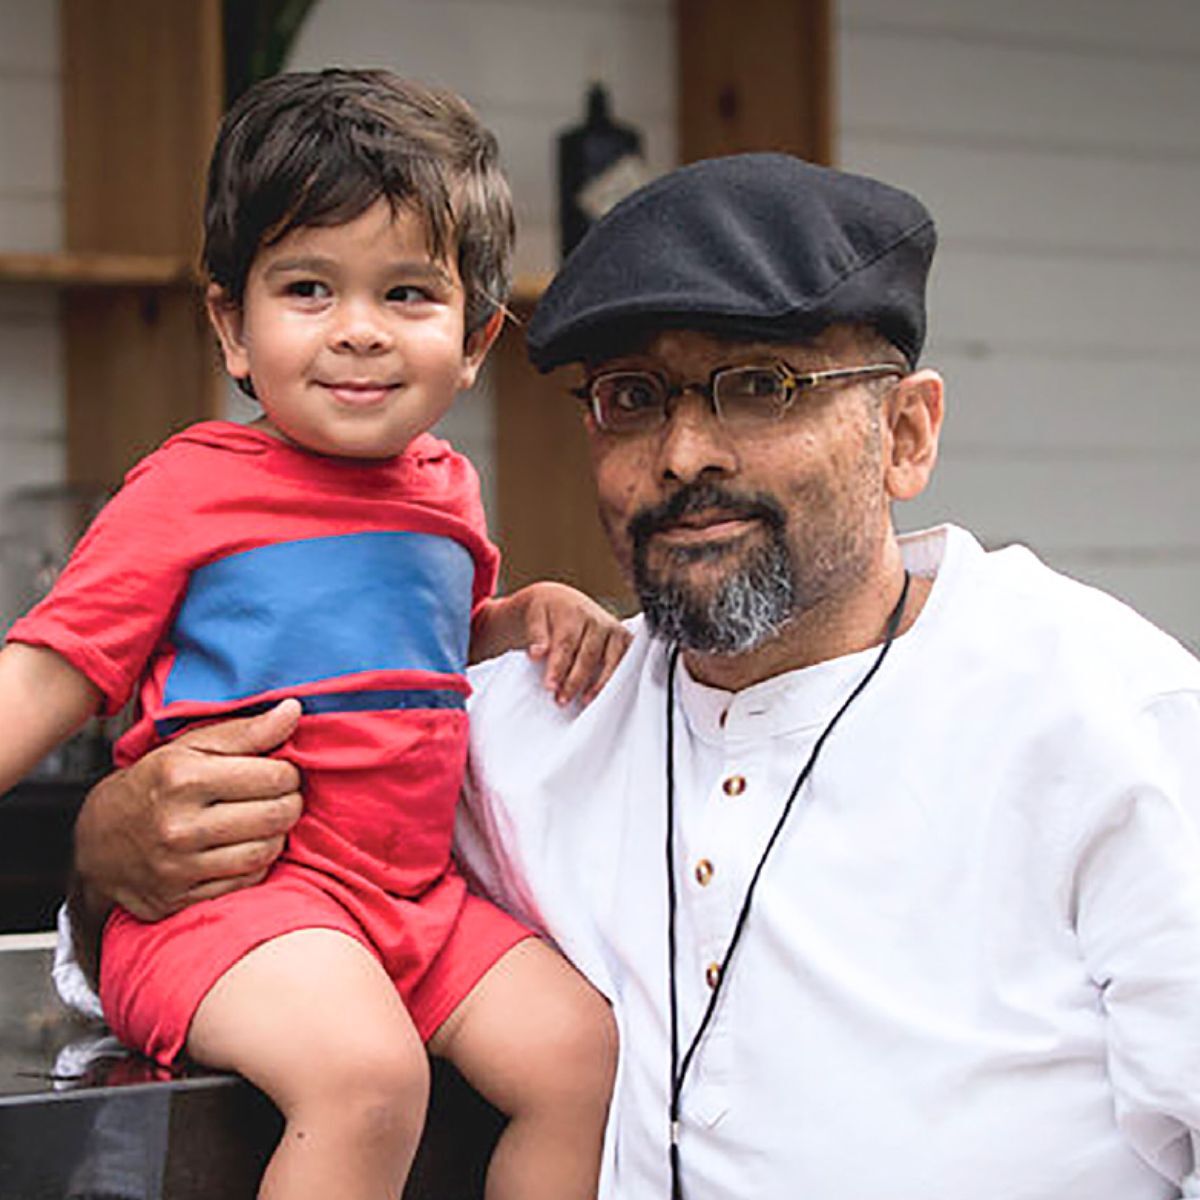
142,95
755,75
547,527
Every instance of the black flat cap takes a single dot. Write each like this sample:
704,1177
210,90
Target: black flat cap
762,246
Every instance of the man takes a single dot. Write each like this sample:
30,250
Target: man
885,849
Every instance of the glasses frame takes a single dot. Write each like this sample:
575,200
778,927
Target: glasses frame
794,383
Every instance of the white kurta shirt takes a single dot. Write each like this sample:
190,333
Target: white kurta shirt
972,967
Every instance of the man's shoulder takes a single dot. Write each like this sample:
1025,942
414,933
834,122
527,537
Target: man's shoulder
1068,629
513,715
510,685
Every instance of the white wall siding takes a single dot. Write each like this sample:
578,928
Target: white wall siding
31,219
1058,147
524,66
1058,144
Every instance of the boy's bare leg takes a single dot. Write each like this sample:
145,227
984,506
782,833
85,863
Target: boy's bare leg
313,1020
539,1043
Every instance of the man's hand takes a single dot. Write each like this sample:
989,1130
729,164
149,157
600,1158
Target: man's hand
203,815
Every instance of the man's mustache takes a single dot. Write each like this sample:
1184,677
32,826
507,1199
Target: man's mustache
704,497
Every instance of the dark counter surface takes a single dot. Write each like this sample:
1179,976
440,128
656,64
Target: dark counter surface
81,1118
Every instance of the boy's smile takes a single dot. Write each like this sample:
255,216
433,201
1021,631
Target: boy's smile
352,335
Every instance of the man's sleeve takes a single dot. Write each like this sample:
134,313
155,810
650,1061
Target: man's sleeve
1137,898
486,835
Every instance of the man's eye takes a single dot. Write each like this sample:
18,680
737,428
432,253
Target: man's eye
308,289
752,385
632,395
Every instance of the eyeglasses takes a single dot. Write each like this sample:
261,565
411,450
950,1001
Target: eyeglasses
741,397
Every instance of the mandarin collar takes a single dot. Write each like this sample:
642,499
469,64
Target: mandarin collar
806,698
784,704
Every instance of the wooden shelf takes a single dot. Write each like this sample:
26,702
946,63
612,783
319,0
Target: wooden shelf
79,269
527,289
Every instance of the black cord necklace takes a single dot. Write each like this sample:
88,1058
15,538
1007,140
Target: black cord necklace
679,1069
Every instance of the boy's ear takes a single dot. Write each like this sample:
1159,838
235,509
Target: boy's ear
477,346
226,317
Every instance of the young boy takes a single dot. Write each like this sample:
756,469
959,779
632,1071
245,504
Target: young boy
358,240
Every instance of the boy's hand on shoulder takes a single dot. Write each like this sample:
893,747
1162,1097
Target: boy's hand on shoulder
579,641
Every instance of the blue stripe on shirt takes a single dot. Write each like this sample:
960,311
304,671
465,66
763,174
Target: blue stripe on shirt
380,700
321,608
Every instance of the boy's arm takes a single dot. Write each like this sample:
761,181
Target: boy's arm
43,700
581,642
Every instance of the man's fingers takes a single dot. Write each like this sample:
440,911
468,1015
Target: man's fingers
202,876
222,887
230,823
246,861
247,735
190,773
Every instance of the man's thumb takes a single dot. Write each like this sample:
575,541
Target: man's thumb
247,735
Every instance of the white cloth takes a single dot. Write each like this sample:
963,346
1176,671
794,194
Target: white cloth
69,980
972,968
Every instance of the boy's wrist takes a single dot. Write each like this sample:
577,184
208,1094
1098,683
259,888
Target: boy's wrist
500,625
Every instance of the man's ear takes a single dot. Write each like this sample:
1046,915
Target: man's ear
477,346
225,314
913,412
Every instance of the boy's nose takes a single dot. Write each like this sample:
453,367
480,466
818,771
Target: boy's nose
359,332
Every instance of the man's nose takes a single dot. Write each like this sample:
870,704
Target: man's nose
359,329
693,442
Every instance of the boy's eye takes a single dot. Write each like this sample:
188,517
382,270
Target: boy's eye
307,289
408,293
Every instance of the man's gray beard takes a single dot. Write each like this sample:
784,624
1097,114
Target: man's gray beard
749,608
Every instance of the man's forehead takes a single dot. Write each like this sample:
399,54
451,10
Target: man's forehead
697,349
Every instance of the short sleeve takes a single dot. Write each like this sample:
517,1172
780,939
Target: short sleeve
112,602
458,495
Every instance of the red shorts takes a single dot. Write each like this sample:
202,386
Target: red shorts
435,947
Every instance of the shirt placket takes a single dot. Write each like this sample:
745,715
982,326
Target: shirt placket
713,883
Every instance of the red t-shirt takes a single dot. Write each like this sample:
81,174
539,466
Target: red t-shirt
234,569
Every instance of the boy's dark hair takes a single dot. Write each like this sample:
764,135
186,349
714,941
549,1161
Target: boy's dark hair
320,147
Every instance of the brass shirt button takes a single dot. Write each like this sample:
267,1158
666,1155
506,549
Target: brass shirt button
735,785
704,872
712,974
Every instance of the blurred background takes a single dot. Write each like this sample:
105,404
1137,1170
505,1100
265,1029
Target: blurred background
1058,146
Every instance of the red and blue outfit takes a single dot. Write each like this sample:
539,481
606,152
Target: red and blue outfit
233,570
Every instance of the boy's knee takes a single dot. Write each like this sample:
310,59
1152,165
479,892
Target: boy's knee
583,1050
383,1087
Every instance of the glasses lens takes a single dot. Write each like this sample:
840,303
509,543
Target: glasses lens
748,394
628,400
